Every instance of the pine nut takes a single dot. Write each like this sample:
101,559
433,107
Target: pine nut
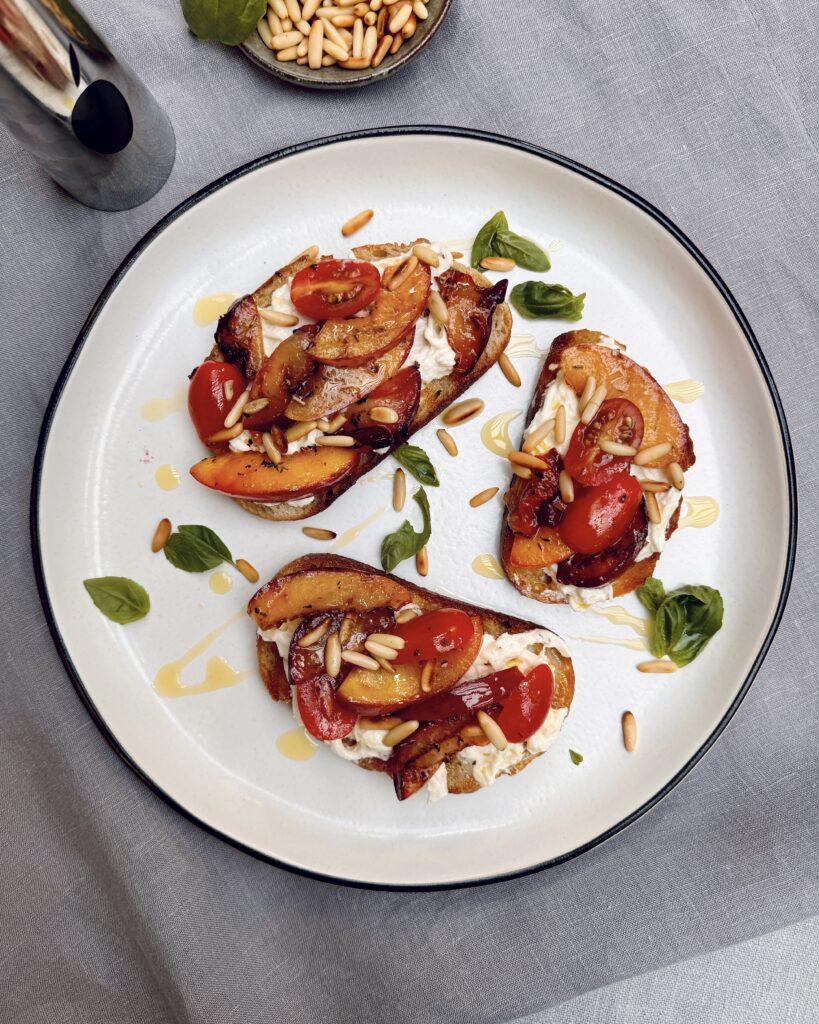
370,42
407,615
492,731
408,31
448,441
676,475
344,21
422,562
337,421
381,51
652,508
367,724
327,61
566,485
522,472
588,390
629,731
426,676
331,32
161,534
332,655
356,223
560,424
358,39
270,448
397,643
293,10
383,414
524,459
656,451
304,27
400,276
263,28
287,25
273,316
657,486
399,733
359,660
315,634
227,387
370,19
437,308
379,650
279,8
615,448
472,732
235,413
389,3
345,34
456,255
508,370
419,9
399,490
315,45
462,412
255,406
334,50
660,666
361,10
593,406
534,440
250,573
426,254
336,441
397,43
309,8
482,497
297,431
323,425
317,533
400,18
286,39
497,263
301,61
310,253
289,54
226,435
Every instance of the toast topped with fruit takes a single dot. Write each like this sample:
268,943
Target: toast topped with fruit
598,483
332,364
399,680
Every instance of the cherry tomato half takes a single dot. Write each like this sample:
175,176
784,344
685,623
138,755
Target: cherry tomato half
334,288
431,635
598,516
524,711
207,403
466,698
532,501
617,420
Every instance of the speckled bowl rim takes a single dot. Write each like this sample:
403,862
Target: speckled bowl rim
297,74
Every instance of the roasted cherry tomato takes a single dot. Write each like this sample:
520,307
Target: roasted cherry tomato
599,569
431,635
536,502
600,515
207,403
466,698
617,420
524,711
323,716
334,288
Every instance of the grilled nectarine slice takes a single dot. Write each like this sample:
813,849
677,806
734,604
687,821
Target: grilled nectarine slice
626,379
357,340
545,548
253,476
400,394
239,336
471,309
283,371
316,590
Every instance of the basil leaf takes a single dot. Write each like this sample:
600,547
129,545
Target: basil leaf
224,21
669,626
537,300
651,594
576,758
484,243
196,549
523,251
416,461
120,599
405,542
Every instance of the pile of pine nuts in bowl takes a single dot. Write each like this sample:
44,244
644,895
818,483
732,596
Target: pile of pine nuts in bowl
337,43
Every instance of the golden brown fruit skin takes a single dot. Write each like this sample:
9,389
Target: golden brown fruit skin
282,372
239,337
251,475
471,306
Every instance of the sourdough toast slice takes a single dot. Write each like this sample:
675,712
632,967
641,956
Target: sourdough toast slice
460,777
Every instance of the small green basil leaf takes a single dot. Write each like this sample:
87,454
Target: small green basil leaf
576,758
196,549
523,251
537,300
405,542
224,21
669,627
120,599
652,593
483,245
416,461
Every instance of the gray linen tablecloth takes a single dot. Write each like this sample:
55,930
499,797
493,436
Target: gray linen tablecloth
114,907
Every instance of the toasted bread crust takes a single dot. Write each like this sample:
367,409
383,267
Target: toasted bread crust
532,582
436,395
459,776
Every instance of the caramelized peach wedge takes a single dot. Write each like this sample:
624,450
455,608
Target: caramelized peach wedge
251,475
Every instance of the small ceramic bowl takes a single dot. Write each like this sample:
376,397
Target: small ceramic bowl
335,77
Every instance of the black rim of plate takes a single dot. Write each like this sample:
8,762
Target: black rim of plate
482,136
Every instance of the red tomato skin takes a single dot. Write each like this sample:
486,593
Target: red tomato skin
334,288
466,698
433,634
324,717
589,465
599,515
207,404
524,711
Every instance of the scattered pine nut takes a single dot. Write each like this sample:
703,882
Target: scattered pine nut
400,18
566,485
397,643
508,370
383,414
407,615
457,254
492,731
426,254
437,308
235,413
314,635
399,491
296,431
472,732
588,390
310,253
524,459
497,263
255,406
399,733
422,562
676,475
426,676
337,421
270,448
522,472
356,223
317,533
560,424
534,440
593,405
657,486
336,441
378,650
482,497
661,665
462,412
629,731
400,276
161,534
448,441
615,448
227,434
359,660
381,51
247,570
367,724
651,454
332,655
273,316
227,387
652,508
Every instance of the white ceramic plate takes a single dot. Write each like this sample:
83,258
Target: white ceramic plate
96,504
